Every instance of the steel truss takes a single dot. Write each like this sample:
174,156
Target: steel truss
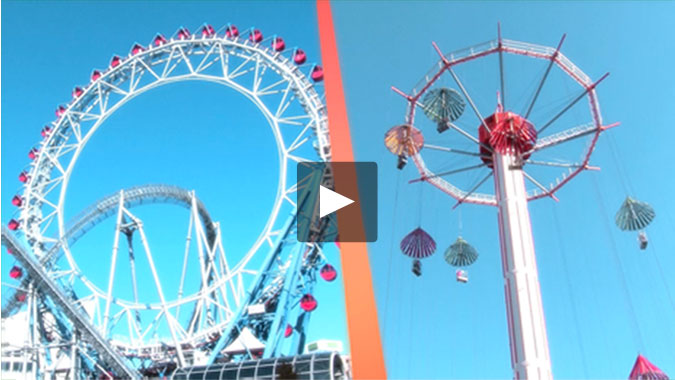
292,106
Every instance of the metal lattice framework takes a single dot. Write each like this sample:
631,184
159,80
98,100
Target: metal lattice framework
285,90
107,207
100,349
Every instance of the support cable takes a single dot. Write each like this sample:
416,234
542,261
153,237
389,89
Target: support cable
411,307
570,295
391,254
618,164
662,275
637,335
627,185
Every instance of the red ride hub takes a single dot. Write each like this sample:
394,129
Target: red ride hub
510,134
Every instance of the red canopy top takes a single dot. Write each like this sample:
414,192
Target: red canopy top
645,370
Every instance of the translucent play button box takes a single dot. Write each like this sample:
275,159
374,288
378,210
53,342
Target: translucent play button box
337,201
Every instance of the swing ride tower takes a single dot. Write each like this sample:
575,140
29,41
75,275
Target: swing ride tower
524,309
508,145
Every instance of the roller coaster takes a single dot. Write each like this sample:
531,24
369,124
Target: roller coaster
236,313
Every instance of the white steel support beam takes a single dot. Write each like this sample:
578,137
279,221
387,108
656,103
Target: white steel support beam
40,358
188,239
132,268
160,292
113,265
80,322
73,357
530,358
225,266
29,341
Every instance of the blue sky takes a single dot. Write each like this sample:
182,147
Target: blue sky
604,299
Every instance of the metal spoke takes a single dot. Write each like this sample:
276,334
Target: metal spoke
469,136
421,179
558,164
451,150
473,189
539,185
543,79
571,104
501,65
453,126
468,98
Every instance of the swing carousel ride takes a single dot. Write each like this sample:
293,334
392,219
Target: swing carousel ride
527,142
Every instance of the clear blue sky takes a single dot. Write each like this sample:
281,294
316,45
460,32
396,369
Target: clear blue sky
432,326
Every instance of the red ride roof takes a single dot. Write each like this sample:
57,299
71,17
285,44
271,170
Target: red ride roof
644,369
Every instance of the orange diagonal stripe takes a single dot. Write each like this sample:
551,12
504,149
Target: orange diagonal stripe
364,332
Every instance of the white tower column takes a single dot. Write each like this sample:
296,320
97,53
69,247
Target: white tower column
530,358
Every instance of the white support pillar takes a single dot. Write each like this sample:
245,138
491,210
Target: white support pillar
530,358
29,343
113,265
74,368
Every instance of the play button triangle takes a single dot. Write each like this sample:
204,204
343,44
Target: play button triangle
330,201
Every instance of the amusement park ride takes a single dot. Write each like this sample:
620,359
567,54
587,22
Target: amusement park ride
249,319
243,317
508,144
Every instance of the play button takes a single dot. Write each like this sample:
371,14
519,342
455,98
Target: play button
330,201
336,201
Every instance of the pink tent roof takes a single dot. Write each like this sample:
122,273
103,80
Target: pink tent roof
645,370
